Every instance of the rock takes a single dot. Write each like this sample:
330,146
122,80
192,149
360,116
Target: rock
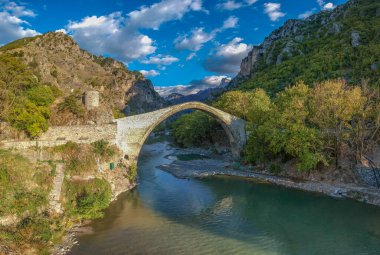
58,60
335,29
355,39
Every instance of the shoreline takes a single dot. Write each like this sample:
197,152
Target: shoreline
70,237
191,169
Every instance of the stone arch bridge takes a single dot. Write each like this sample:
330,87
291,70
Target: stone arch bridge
130,133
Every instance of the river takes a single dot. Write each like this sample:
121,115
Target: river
220,215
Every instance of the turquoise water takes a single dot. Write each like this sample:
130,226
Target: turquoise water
166,215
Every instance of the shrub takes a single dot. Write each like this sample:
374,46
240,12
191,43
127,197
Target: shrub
103,149
87,200
117,114
132,173
41,95
72,105
78,158
28,117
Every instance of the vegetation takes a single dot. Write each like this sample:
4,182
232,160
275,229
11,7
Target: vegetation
16,195
311,125
24,189
25,102
132,173
104,150
72,104
194,129
87,200
323,53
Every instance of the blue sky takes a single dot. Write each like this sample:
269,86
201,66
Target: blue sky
173,41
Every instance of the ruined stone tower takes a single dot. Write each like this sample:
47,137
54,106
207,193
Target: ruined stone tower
91,99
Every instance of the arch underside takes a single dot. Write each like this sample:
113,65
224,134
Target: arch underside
136,129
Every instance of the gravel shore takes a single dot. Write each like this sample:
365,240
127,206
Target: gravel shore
220,165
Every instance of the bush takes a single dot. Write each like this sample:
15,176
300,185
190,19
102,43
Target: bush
87,200
71,104
41,95
103,149
117,114
275,168
131,173
78,158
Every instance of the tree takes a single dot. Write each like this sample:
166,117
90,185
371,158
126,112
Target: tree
285,130
332,107
194,128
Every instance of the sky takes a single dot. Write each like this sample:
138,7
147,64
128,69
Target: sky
172,42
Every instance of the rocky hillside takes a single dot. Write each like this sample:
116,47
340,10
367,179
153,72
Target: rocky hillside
343,43
55,60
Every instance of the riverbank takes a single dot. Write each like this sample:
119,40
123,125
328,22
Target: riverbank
70,238
214,165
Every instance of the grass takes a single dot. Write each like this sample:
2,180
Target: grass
87,199
16,192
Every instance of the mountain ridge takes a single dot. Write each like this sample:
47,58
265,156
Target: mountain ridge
343,43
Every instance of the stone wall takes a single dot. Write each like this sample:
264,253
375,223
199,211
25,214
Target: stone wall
60,135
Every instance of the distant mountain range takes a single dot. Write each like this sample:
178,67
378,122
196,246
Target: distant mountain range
196,92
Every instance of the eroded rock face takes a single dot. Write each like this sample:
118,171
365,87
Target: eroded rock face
285,42
355,39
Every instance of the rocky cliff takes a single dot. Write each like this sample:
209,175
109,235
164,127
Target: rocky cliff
57,60
343,43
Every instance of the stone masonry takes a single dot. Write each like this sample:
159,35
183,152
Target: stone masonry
130,133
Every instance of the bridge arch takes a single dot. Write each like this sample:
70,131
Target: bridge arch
133,131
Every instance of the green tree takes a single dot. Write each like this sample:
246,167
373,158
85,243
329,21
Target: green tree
285,130
332,107
28,117
194,128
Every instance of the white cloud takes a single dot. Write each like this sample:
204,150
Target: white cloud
305,14
160,60
326,6
329,6
250,2
120,36
17,10
166,10
62,30
150,73
231,5
231,22
12,25
197,37
194,86
191,56
226,58
195,41
274,11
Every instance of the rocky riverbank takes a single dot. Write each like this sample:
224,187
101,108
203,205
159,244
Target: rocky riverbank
211,165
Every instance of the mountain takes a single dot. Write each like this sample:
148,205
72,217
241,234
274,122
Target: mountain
343,43
205,94
56,60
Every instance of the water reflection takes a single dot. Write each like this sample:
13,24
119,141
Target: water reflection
166,215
